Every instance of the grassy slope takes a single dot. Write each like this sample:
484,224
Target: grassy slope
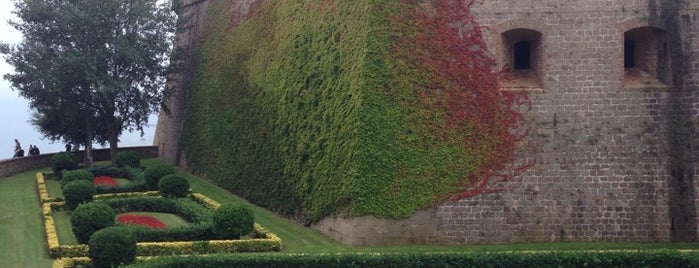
62,221
295,237
22,239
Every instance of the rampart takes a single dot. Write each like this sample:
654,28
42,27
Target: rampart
615,96
13,166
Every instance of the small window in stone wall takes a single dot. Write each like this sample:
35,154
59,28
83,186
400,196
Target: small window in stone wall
523,54
646,63
629,52
522,59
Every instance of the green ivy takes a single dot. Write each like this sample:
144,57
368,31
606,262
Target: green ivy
303,109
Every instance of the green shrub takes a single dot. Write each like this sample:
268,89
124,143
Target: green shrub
114,172
154,173
137,182
128,159
78,192
75,175
63,161
186,208
173,186
112,247
89,218
231,221
650,258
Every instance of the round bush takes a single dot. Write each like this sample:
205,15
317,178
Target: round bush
112,247
128,159
111,171
173,186
153,174
76,175
78,192
63,161
231,221
89,218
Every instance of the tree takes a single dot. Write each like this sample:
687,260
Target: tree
57,123
91,68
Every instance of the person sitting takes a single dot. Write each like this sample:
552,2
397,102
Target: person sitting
19,153
33,150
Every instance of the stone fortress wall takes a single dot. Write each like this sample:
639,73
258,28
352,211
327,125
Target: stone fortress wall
615,96
614,88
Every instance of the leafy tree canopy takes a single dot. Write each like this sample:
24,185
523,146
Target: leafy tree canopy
97,67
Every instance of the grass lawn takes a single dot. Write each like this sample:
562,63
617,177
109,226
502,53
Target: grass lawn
61,220
22,238
54,188
295,237
23,243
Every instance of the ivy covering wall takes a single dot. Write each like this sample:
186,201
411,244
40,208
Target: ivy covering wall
319,107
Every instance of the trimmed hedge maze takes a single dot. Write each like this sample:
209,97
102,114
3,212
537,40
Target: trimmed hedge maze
195,239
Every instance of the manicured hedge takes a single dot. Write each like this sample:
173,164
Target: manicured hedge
261,239
173,186
128,159
233,220
112,247
75,175
89,218
63,161
43,189
153,174
201,229
452,259
137,181
77,192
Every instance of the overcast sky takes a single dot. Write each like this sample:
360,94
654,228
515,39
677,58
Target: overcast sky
15,112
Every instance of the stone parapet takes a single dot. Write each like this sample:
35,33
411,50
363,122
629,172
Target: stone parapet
13,166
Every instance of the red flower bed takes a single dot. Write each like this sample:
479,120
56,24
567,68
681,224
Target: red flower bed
144,220
106,180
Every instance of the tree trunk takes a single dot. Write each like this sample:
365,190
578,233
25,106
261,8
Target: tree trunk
113,136
90,136
88,161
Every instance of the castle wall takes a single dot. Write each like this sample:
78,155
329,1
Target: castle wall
168,132
613,148
605,147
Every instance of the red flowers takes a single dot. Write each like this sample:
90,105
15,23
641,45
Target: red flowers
105,180
143,220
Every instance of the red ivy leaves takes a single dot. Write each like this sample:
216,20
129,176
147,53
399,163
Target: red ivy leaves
143,220
465,87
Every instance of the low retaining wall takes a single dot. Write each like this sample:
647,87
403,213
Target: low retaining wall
13,166
421,228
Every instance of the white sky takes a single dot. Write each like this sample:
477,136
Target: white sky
15,112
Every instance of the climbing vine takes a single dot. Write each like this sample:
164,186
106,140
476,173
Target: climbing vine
318,108
463,87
